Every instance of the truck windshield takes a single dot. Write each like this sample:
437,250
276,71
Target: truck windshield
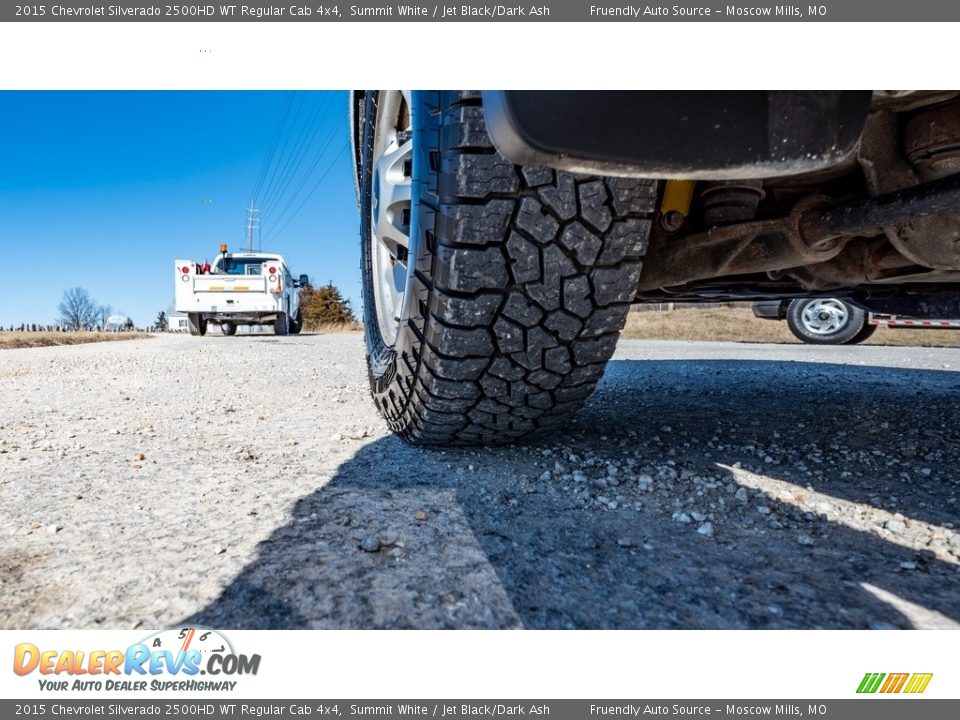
243,266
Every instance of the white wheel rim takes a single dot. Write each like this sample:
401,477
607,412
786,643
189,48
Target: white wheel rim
825,317
391,189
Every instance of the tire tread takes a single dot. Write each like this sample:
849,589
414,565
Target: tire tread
533,271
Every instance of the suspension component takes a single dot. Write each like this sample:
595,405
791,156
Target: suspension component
932,198
725,203
931,241
814,231
675,206
932,141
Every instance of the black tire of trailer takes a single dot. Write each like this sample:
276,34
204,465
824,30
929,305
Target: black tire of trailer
228,328
197,324
523,280
857,329
865,332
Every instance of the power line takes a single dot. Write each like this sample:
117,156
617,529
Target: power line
264,200
281,170
309,133
306,177
312,191
320,156
272,146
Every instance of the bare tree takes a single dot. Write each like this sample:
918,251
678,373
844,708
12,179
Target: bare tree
77,309
101,314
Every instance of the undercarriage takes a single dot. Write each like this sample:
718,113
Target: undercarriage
863,200
506,234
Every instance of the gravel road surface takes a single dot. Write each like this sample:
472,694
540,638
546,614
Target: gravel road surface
247,482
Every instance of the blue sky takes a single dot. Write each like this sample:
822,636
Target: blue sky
103,190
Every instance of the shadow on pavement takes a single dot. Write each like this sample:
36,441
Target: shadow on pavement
481,539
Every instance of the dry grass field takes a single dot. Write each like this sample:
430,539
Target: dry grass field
724,324
737,324
327,328
10,340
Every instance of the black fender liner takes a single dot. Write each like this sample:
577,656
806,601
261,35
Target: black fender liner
695,135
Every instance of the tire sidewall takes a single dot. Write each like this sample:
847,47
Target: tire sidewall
498,339
865,333
856,321
385,362
198,324
281,326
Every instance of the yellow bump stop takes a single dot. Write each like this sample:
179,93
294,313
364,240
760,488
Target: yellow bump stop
677,197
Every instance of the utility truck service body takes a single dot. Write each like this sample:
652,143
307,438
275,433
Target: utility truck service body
246,288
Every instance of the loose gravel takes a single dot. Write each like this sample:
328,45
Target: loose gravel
248,482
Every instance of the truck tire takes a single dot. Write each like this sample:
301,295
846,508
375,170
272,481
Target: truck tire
281,326
297,325
864,333
493,294
197,324
228,328
827,321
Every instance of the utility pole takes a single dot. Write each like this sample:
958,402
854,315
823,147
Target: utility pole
253,223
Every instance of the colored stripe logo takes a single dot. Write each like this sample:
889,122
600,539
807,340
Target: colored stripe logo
912,683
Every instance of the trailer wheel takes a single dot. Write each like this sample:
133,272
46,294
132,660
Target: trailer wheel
864,334
281,326
827,321
228,328
493,294
197,324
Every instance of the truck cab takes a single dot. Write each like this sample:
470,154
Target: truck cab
240,288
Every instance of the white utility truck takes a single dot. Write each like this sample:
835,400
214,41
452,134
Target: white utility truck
241,288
